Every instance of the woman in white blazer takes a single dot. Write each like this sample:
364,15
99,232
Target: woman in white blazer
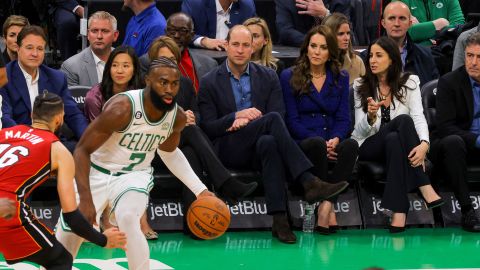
390,128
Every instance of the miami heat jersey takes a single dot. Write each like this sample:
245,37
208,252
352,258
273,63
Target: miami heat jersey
134,148
24,165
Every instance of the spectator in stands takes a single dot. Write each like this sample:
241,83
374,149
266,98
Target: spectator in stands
430,17
86,67
352,63
213,18
390,128
67,14
194,143
147,24
456,140
27,76
416,59
241,110
193,65
459,53
295,18
122,73
316,95
11,27
263,45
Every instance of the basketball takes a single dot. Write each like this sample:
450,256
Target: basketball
208,217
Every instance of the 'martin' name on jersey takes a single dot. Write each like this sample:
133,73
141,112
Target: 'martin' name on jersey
32,138
141,142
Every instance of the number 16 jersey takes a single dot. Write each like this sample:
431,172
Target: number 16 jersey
133,149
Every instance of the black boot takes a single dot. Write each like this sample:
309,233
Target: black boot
281,229
470,221
233,190
317,190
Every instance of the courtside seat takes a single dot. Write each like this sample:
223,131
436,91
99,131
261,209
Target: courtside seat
429,91
79,92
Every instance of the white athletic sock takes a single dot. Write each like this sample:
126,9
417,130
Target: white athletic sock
128,211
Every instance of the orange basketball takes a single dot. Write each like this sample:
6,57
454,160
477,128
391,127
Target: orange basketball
208,217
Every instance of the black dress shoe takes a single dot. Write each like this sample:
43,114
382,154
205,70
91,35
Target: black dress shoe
281,229
470,221
394,229
233,190
435,203
317,190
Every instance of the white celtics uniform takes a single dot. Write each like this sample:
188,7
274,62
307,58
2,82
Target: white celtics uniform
122,163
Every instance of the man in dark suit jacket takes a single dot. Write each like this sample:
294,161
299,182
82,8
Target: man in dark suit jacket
28,78
416,58
241,109
67,14
295,17
456,140
206,13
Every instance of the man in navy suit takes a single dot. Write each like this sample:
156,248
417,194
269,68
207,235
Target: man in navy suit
67,14
213,18
27,78
241,109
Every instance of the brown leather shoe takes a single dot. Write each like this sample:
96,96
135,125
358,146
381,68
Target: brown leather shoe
281,229
317,190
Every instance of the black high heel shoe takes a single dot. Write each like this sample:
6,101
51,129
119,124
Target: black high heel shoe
435,203
323,230
393,229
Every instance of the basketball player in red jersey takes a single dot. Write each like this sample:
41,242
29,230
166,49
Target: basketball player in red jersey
28,155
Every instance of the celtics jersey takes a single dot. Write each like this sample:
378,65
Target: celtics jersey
134,148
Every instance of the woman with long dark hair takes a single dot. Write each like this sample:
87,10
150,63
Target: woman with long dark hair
121,73
316,91
390,128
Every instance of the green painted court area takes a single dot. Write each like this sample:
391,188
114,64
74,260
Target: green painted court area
418,248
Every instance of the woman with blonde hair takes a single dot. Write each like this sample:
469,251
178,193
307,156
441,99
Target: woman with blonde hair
352,63
262,44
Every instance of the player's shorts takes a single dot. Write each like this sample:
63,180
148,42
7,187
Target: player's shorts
20,241
108,188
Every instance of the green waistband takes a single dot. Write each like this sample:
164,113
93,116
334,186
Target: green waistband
105,171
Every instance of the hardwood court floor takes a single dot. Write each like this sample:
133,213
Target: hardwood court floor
418,248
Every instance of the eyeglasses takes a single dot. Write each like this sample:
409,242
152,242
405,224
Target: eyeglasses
182,31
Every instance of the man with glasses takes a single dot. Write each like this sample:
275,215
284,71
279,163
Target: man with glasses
86,67
192,65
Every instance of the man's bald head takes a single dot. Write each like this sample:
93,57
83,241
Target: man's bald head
396,20
396,5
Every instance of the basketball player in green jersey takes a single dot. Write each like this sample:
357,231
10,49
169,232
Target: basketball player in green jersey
114,154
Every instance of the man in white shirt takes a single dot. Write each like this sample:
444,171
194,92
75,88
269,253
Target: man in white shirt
86,68
213,19
27,77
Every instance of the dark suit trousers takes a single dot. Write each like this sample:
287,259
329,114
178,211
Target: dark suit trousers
67,25
316,150
391,146
451,156
265,144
